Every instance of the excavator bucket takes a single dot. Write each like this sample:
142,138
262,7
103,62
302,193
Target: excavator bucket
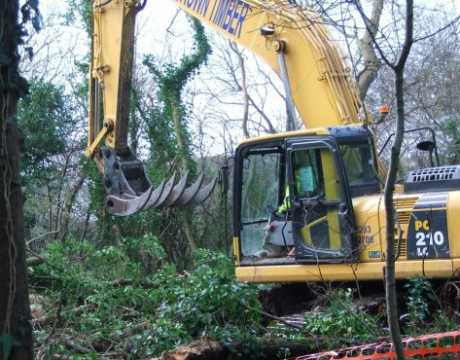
129,190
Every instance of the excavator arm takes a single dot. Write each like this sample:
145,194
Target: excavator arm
291,40
294,42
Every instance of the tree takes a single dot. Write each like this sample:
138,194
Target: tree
398,67
16,332
49,121
168,132
396,60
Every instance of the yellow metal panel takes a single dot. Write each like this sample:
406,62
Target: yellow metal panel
286,135
369,227
332,192
236,250
453,223
112,54
346,272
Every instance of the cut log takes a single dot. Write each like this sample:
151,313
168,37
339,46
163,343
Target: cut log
197,350
262,348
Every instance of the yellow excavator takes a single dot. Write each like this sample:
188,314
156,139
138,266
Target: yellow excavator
307,204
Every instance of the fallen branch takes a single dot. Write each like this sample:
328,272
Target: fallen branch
273,317
70,343
35,260
41,236
133,330
44,320
198,350
264,348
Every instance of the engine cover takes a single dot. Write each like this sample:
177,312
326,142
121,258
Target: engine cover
433,179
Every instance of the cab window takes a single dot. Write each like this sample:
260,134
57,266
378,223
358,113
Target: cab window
261,187
307,173
359,163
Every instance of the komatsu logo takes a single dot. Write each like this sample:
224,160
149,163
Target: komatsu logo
229,15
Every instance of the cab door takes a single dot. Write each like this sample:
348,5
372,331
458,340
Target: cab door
323,221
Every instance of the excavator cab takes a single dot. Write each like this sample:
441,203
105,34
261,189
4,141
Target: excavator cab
293,202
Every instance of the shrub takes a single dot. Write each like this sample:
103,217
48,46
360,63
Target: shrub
342,322
418,299
206,301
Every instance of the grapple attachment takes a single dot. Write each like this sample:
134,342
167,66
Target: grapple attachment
129,191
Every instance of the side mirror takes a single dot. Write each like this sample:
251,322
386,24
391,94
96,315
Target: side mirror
429,146
426,145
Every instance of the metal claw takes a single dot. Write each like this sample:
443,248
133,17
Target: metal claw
166,193
177,191
124,205
191,192
129,190
204,193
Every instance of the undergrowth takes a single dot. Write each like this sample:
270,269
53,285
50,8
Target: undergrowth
129,310
130,302
425,312
341,322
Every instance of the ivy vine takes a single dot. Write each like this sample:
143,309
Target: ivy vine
168,129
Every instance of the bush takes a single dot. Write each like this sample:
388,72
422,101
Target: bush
419,296
178,307
341,322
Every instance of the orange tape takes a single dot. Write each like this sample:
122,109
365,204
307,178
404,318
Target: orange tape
434,346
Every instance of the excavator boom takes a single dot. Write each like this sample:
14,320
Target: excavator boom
289,37
128,189
291,40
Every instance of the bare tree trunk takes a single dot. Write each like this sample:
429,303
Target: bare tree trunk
247,99
65,220
390,280
15,328
14,297
398,69
371,62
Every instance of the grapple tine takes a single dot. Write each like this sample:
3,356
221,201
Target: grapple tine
177,191
190,192
204,193
130,191
124,205
166,193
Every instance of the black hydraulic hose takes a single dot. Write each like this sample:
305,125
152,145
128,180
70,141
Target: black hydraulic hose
104,3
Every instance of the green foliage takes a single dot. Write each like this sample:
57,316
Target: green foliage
45,116
419,296
167,129
80,10
342,322
210,299
178,307
442,322
425,313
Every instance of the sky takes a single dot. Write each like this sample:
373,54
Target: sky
157,17
152,36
